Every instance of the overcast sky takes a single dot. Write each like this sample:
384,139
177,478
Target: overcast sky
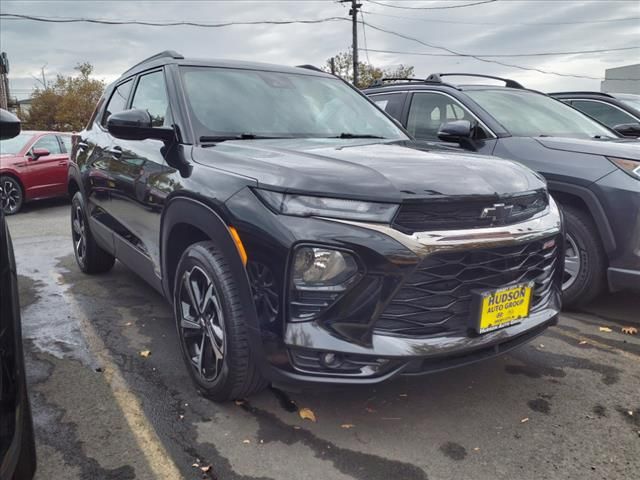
509,26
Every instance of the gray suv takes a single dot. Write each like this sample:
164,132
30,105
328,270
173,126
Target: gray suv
592,172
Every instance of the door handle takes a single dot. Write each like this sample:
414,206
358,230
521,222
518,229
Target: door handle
116,152
62,163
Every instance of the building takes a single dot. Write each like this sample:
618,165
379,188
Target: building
622,79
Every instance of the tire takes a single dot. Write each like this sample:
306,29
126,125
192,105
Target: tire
585,257
11,195
90,257
213,336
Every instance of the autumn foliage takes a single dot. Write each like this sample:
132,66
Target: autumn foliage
66,104
343,64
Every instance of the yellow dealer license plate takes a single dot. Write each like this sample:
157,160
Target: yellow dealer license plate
504,307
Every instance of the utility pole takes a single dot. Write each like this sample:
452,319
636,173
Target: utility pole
355,7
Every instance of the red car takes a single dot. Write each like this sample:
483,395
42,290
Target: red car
33,165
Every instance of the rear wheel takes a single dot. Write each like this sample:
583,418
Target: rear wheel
91,258
585,261
211,324
11,195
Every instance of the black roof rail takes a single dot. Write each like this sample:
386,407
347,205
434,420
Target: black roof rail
311,67
583,92
165,54
380,81
437,78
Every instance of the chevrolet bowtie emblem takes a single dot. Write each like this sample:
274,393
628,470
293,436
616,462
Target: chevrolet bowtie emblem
498,214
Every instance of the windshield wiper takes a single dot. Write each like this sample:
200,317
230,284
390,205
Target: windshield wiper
356,135
241,136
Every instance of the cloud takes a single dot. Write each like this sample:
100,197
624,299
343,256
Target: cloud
112,49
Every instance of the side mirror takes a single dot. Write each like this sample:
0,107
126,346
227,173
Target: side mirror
455,131
628,129
9,125
36,153
136,124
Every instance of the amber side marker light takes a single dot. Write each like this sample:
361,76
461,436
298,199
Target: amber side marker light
239,245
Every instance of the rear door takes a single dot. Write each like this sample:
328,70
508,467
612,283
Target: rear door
48,174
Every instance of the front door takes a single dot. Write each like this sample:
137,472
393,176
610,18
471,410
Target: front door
48,174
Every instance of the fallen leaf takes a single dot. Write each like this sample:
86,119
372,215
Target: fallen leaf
605,329
307,414
128,324
541,345
476,449
181,417
145,353
206,469
246,441
347,425
630,330
524,420
583,342
195,465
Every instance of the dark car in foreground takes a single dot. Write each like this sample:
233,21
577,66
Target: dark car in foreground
618,111
297,233
592,173
17,445
33,166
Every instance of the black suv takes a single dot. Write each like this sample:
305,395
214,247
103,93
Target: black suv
619,111
594,175
298,235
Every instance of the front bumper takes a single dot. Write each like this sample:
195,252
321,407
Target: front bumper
292,351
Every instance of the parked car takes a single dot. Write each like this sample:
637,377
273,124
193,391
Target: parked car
594,175
618,111
17,445
34,166
297,233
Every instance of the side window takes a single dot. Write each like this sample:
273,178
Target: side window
430,110
151,95
391,103
118,101
603,112
50,142
66,143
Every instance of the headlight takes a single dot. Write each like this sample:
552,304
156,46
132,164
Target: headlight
315,267
632,167
306,206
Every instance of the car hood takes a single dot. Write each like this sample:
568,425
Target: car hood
366,169
624,148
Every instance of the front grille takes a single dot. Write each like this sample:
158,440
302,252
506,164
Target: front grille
446,214
437,296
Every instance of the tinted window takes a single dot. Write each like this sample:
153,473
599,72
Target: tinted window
225,101
66,143
391,103
50,142
528,114
430,110
151,95
603,112
118,101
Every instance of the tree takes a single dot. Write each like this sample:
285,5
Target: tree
67,104
343,63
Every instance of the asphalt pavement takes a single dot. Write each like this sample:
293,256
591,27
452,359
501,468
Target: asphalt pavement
112,399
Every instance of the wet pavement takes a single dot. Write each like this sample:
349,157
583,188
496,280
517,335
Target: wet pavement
565,406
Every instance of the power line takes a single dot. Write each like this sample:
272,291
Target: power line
15,16
458,22
481,2
478,57
503,55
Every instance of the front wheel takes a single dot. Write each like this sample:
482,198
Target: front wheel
11,195
212,327
585,261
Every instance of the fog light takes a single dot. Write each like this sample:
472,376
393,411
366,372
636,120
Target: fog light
322,268
331,360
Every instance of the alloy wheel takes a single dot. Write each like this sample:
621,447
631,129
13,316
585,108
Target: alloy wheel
572,263
79,233
263,286
201,323
10,195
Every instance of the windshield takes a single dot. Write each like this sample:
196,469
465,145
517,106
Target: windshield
630,99
12,146
235,102
529,114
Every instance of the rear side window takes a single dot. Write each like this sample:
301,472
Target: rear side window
610,115
66,143
392,103
118,101
151,95
429,111
49,142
